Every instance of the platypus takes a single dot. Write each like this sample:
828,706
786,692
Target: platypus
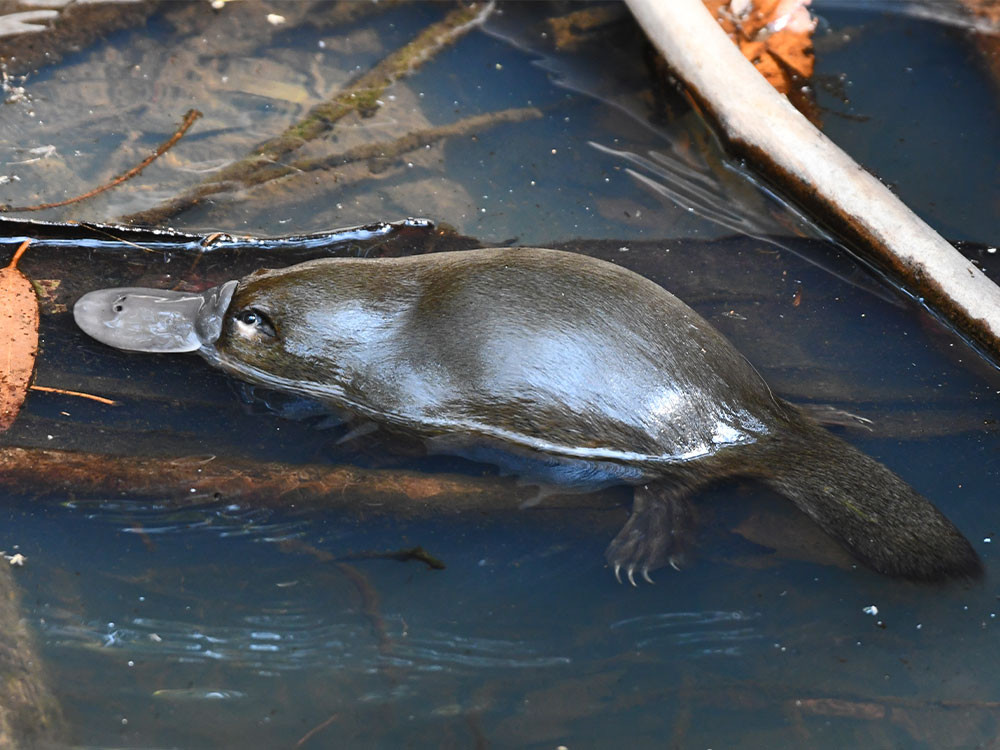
552,353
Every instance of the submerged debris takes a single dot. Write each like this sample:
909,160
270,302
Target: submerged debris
775,35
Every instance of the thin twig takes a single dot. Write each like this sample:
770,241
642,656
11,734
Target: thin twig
316,730
189,118
124,241
369,605
101,399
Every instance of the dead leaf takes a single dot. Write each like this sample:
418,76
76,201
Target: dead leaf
775,35
18,338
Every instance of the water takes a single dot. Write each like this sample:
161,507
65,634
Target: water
198,622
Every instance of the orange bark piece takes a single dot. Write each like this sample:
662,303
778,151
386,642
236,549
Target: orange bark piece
775,35
18,338
988,9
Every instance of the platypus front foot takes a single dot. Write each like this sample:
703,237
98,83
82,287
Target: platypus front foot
658,533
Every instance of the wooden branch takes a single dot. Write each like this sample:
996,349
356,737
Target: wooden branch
361,96
389,150
35,471
760,124
383,153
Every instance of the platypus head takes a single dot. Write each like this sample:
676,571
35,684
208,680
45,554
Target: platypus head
317,328
223,319
292,328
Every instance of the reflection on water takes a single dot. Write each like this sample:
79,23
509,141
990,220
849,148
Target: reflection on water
216,623
271,643
707,633
195,515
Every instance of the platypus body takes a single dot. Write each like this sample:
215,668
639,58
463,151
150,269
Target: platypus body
549,353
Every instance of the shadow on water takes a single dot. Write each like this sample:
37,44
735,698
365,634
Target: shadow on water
177,618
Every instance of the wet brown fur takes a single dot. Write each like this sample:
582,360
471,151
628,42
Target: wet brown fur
581,359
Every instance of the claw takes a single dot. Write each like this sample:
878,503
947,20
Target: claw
631,570
674,565
618,567
645,574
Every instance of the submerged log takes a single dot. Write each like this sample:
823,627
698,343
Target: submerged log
30,716
402,493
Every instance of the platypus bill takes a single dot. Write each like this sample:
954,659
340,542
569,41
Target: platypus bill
549,352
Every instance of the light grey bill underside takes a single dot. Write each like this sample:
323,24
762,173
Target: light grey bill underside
154,320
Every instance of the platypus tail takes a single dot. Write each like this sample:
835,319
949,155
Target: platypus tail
875,514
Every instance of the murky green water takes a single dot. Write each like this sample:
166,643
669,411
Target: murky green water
217,623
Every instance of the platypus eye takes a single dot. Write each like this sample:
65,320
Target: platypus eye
258,321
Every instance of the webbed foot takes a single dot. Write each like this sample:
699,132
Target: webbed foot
659,532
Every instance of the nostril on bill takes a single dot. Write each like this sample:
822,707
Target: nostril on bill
144,320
